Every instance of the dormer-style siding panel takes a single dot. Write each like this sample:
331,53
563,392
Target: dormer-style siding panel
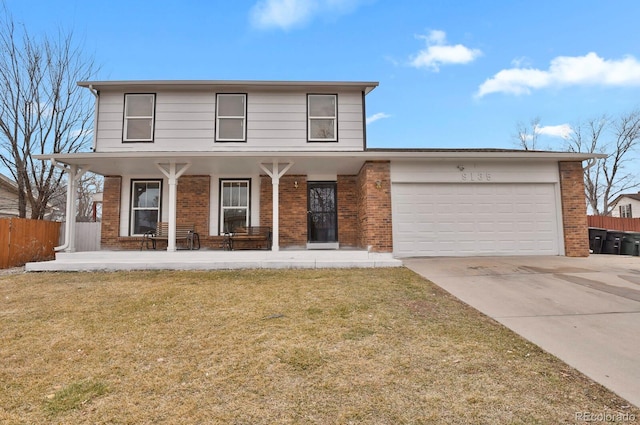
185,119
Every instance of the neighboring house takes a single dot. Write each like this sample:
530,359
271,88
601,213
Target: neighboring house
9,201
292,155
8,197
626,205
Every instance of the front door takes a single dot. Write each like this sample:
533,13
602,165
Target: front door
322,213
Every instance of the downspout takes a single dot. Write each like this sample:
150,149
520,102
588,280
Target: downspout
70,213
67,226
96,94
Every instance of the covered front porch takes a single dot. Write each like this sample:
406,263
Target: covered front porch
274,191
212,260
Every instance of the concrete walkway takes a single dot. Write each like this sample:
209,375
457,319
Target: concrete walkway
211,260
585,311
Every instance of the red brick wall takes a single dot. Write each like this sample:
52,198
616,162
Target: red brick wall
574,209
192,205
292,224
374,207
266,201
347,211
293,209
111,212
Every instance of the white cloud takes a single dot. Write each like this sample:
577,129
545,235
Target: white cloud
288,14
376,117
438,52
563,130
565,71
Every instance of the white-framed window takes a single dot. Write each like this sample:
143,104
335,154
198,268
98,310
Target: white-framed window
322,117
145,205
139,117
234,204
231,117
625,211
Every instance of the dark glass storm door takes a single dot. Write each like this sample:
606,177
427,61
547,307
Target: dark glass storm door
322,214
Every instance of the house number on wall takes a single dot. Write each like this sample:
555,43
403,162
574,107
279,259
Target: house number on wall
476,177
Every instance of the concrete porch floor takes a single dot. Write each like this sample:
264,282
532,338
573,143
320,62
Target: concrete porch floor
211,260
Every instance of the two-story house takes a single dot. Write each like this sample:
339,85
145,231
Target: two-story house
292,155
626,205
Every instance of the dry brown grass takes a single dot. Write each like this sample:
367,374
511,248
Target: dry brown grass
372,346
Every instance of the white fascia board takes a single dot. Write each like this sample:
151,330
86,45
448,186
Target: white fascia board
365,155
366,86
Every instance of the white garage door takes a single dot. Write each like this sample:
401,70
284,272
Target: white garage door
474,219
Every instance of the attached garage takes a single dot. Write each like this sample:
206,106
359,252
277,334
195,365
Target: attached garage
493,209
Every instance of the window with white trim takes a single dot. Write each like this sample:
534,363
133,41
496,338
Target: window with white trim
145,205
322,117
625,211
139,117
231,117
234,204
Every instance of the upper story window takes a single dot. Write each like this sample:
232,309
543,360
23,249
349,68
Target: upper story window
139,117
231,117
322,116
625,211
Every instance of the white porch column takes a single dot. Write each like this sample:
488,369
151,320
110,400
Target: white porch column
275,175
172,175
74,172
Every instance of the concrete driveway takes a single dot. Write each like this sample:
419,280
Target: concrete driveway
585,311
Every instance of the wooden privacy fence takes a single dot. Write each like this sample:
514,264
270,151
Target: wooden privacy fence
614,223
23,240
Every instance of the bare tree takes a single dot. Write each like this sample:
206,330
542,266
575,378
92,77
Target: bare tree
606,178
88,185
42,110
527,136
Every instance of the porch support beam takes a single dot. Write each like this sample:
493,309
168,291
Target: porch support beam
75,172
275,173
172,171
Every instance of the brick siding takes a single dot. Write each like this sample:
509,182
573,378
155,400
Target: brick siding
374,226
293,210
111,212
347,211
574,209
192,204
292,223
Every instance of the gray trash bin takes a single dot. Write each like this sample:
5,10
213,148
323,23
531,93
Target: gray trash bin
613,242
630,244
596,239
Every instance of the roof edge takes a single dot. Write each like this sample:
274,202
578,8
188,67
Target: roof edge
367,86
369,154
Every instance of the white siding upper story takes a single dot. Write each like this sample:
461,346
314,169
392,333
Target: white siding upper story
185,120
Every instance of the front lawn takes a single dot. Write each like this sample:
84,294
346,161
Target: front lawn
365,346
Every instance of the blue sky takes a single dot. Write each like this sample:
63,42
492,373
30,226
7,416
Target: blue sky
452,74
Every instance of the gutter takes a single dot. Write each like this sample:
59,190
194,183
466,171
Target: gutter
73,176
67,228
96,94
